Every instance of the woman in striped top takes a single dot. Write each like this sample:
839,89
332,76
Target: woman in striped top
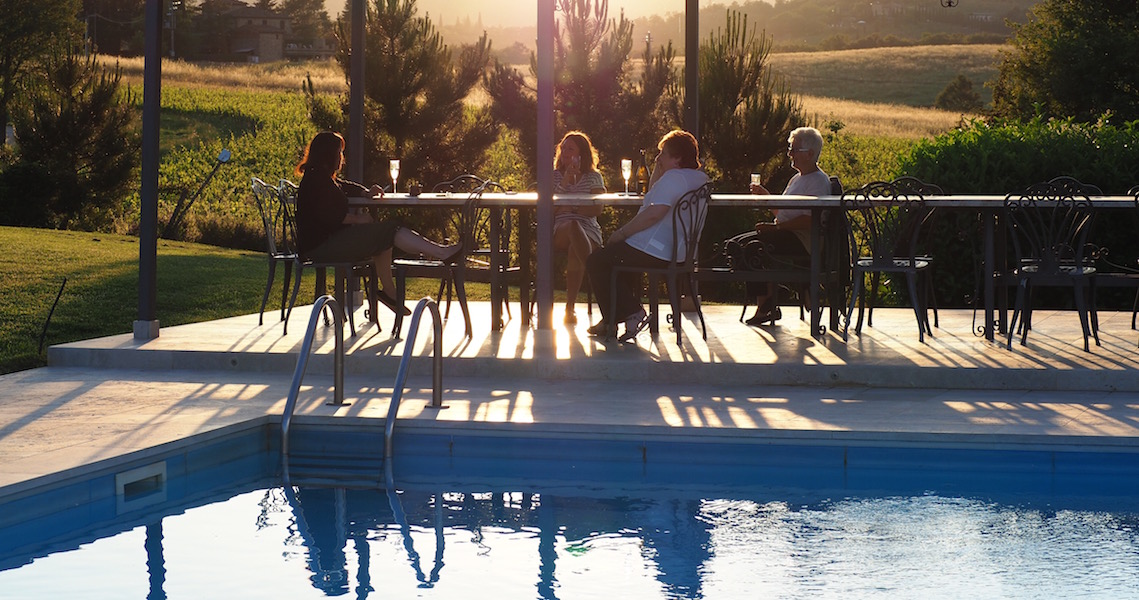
576,231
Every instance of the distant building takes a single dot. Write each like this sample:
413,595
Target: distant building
258,34
263,35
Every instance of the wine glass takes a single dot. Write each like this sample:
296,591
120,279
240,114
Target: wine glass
393,168
626,172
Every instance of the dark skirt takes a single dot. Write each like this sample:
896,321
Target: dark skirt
356,242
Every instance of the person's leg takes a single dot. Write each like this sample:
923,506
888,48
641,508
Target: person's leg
600,265
384,268
579,247
409,240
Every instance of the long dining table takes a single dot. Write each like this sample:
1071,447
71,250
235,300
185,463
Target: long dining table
988,207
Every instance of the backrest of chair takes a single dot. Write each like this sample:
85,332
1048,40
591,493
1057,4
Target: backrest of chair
1048,224
1074,187
886,221
465,184
836,186
688,223
272,218
287,198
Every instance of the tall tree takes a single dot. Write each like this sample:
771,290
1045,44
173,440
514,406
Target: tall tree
745,111
309,21
1073,58
25,37
593,89
114,26
77,147
415,91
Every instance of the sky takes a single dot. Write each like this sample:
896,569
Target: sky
520,12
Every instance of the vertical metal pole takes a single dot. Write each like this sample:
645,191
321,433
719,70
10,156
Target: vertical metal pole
355,140
545,216
692,67
146,326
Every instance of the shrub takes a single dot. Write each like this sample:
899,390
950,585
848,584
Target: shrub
1001,156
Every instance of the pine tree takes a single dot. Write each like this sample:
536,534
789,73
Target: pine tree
78,152
415,91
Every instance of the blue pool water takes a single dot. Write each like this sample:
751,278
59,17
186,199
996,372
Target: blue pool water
476,528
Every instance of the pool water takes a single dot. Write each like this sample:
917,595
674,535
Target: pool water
581,541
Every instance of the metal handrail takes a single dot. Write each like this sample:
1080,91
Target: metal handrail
401,375
302,363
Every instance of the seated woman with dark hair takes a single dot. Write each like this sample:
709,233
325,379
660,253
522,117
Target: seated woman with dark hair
328,231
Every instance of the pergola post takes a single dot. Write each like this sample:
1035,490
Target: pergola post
355,137
692,67
545,158
146,326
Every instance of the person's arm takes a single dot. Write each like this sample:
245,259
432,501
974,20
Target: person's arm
646,218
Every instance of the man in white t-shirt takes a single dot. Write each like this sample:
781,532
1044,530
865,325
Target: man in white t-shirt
790,233
646,240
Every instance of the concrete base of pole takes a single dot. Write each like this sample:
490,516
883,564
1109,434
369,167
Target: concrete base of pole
146,330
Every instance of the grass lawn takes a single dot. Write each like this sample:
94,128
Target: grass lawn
195,283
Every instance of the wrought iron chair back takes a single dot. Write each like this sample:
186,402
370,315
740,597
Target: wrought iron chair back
1048,224
885,220
277,247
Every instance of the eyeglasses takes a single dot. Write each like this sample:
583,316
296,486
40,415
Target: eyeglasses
790,149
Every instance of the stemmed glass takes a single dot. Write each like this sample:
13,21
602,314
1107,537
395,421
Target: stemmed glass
626,172
393,168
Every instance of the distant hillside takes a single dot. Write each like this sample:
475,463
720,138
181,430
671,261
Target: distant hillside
912,76
799,24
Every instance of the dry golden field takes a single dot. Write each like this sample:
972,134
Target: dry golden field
875,92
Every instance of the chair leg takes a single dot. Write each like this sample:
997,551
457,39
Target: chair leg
268,287
461,292
919,313
854,295
345,298
401,298
293,298
653,293
1021,298
674,302
285,286
875,281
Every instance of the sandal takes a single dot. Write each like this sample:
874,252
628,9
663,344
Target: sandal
393,304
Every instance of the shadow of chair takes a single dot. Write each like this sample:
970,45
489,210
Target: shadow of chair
687,224
1048,224
344,270
277,243
885,220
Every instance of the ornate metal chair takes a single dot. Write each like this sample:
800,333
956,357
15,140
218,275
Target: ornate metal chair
687,224
1048,224
885,220
277,243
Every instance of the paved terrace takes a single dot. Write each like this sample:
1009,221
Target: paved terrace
102,399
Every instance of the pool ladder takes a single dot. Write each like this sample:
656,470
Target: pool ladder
338,367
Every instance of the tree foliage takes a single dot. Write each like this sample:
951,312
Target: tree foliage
1073,58
593,89
77,147
308,19
414,91
959,95
26,36
745,111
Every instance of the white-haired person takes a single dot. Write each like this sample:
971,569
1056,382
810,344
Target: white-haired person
789,233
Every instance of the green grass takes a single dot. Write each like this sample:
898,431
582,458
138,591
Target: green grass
195,283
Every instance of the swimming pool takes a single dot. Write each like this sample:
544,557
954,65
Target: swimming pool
511,520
